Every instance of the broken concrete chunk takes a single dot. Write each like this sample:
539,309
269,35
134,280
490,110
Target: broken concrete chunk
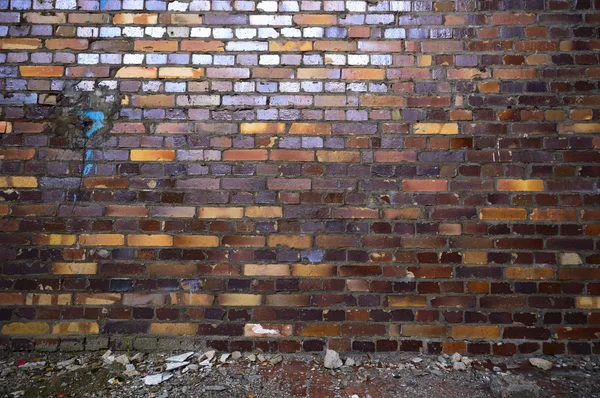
153,380
332,360
180,357
541,363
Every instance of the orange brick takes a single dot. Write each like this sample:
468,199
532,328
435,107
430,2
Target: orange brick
314,270
579,128
266,270
436,128
291,241
157,100
424,185
126,211
239,300
101,240
11,299
245,154
150,240
178,329
20,44
192,299
468,73
512,19
450,347
310,129
54,239
149,155
42,71
363,74
581,114
292,155
136,72
64,44
407,301
290,46
135,19
319,330
424,331
501,213
318,73
338,156
515,73
221,212
180,73
489,87
381,100
520,185
409,213
202,46
156,45
478,287
315,19
264,212
262,128
554,214
335,46
475,332
529,273
196,241
75,268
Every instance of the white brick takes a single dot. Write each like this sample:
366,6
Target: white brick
247,46
271,20
269,59
200,32
245,33
267,6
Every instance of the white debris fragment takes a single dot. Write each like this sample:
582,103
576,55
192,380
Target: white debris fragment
122,359
332,360
417,360
236,355
456,357
350,362
459,366
153,380
181,357
224,358
176,365
541,363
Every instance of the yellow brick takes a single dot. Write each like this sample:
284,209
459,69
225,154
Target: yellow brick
266,270
589,303
500,213
221,212
262,128
291,241
148,155
239,300
475,332
407,301
16,328
264,212
194,299
42,71
5,127
436,128
75,268
97,298
363,74
320,330
180,73
520,185
475,258
18,182
316,270
135,19
338,156
174,328
136,72
149,240
290,46
48,299
582,128
67,328
20,44
102,240
425,60
311,129
424,331
55,239
196,241
529,273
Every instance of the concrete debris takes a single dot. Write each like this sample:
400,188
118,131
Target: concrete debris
541,363
155,375
180,357
332,360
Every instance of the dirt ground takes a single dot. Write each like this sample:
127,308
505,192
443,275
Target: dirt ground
119,374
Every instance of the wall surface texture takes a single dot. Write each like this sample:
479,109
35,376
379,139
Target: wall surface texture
295,175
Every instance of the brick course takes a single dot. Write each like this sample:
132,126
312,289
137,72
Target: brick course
295,175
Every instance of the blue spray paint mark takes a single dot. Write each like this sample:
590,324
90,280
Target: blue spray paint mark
103,4
98,118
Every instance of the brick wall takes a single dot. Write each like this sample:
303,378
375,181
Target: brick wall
293,175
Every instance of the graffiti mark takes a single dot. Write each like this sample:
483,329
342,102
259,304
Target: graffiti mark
103,4
98,118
